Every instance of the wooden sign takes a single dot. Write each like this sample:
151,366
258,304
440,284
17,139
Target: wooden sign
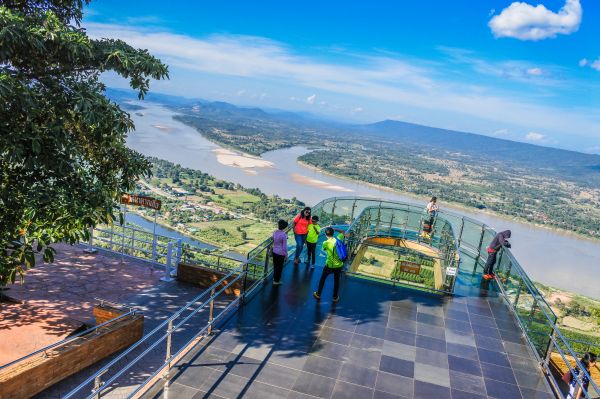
148,202
410,267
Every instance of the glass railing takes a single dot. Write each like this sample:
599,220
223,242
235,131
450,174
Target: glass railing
405,254
534,315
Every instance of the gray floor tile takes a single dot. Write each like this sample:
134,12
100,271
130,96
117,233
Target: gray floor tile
533,394
460,338
457,394
435,310
498,373
368,359
497,358
230,386
432,374
366,342
336,336
243,366
401,351
432,358
534,380
489,343
431,343
461,326
465,351
258,352
402,337
358,375
386,395
467,382
430,319
323,366
397,366
372,329
425,390
329,349
522,363
431,331
341,323
463,365
395,384
259,390
289,359
502,390
402,324
314,385
176,390
344,390
278,375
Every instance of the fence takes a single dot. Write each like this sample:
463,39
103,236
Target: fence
151,358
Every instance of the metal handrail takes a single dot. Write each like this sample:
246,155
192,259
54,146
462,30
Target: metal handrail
67,340
241,271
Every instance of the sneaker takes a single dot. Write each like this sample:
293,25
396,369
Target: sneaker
317,296
276,282
488,276
312,266
336,299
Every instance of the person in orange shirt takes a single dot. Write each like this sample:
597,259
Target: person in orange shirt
301,222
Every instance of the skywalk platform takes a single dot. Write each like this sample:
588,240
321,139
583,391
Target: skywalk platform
378,342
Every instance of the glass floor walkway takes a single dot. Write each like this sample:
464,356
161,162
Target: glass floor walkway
378,342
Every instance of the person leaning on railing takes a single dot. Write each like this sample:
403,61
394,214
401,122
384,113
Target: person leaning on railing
499,241
588,360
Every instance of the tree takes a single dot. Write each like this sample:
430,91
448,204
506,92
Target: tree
63,158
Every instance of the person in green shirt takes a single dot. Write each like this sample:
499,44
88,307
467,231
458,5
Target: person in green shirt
311,241
333,265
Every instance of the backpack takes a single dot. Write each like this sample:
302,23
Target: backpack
341,250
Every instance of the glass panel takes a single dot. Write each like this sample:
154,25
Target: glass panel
343,212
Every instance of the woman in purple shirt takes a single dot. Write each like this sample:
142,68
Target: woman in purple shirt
279,251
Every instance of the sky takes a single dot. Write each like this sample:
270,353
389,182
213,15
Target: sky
526,71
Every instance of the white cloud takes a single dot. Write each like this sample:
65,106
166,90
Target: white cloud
311,99
241,92
358,109
392,80
535,71
592,64
534,136
526,22
500,133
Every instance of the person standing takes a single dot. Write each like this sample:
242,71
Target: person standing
333,265
499,241
576,389
301,222
280,251
311,241
431,209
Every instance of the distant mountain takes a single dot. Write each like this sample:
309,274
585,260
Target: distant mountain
539,158
548,161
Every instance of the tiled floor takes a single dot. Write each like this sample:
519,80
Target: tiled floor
377,342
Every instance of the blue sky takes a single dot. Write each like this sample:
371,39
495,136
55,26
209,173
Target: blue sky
527,71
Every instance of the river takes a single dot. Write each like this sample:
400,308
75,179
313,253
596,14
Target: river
558,259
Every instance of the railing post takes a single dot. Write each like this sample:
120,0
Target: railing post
178,252
154,240
97,385
111,236
168,353
90,249
353,209
132,242
167,276
462,226
211,310
333,211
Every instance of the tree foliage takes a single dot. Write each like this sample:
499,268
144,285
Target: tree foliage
63,158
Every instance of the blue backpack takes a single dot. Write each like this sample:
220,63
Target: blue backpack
340,248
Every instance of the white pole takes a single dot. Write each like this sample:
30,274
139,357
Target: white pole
90,249
154,238
167,276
